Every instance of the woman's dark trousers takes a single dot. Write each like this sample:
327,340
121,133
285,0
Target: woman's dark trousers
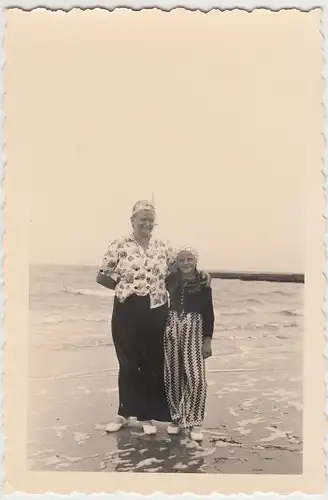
138,335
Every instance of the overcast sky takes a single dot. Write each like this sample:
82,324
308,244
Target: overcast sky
211,114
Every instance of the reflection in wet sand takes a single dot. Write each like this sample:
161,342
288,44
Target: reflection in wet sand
140,453
253,419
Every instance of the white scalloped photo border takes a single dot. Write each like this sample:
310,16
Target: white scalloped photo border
166,5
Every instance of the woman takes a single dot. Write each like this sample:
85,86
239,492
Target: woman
136,267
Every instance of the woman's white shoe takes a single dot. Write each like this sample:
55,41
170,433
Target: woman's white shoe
173,429
117,424
196,434
148,427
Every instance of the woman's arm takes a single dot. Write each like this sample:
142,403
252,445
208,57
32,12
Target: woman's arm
106,273
171,259
106,281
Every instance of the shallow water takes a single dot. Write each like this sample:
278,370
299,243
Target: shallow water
254,381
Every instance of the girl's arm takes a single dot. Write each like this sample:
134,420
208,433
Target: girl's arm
208,312
208,321
106,275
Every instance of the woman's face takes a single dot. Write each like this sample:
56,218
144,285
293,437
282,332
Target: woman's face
143,223
186,262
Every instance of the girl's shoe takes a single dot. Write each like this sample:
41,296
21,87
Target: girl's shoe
173,429
148,427
196,434
117,424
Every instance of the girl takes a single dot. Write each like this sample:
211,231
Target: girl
187,342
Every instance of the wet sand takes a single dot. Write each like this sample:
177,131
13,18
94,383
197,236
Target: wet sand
253,421
253,418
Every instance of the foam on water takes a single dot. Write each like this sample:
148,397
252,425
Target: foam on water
88,292
69,310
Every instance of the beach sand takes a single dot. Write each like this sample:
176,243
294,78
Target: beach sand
254,409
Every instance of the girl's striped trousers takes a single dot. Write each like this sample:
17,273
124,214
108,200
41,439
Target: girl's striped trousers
185,380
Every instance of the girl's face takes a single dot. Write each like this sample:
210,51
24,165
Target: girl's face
186,262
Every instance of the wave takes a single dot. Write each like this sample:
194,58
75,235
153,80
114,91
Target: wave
286,312
264,327
238,312
56,320
254,301
250,310
283,293
102,292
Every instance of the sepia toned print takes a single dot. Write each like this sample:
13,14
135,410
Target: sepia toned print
198,373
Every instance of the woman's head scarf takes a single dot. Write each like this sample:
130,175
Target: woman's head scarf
143,205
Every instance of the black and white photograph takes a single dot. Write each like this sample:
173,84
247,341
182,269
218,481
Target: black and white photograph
169,184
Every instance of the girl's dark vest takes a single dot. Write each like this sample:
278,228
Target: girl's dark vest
191,296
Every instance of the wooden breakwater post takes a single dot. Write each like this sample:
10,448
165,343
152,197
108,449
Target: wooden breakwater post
252,276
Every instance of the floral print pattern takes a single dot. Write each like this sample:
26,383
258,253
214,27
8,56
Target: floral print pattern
137,271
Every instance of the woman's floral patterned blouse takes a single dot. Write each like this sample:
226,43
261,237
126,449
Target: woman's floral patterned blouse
137,271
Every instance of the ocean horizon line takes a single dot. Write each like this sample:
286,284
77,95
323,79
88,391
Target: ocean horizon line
282,277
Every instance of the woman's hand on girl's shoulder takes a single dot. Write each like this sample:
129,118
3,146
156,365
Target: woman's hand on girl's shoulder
206,278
